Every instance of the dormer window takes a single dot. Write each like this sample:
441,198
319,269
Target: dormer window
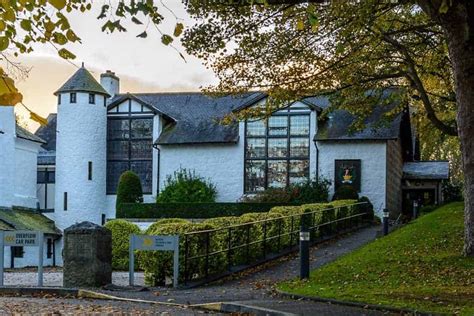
59,99
91,98
72,97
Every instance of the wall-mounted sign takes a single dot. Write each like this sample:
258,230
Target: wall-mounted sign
347,172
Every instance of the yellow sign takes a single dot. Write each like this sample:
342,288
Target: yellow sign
147,242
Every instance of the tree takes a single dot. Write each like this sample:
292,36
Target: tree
291,49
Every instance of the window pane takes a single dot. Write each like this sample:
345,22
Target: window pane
41,177
256,128
141,149
142,128
277,147
118,129
117,149
114,171
277,171
254,176
144,170
299,147
278,125
256,148
299,125
51,176
299,171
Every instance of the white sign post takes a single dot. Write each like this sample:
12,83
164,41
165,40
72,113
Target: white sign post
22,238
154,243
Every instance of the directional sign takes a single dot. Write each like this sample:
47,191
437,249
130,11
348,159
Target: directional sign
160,243
21,238
142,242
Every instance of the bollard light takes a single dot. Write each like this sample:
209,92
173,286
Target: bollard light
386,215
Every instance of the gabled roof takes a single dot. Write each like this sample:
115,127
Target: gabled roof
337,126
82,81
25,134
19,219
48,132
194,116
315,102
426,170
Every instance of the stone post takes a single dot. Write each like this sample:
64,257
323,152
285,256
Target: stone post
87,255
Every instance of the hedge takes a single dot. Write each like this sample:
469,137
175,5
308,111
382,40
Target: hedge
121,231
275,224
190,210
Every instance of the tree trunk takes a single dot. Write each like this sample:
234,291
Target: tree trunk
459,27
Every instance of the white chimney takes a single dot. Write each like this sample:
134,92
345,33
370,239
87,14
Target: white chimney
110,82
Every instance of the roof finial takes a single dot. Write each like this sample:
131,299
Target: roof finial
82,64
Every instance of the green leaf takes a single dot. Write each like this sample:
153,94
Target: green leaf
136,21
4,43
166,39
444,7
143,34
103,11
300,25
71,36
2,25
64,53
26,25
59,38
58,4
178,29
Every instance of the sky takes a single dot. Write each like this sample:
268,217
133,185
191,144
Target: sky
142,64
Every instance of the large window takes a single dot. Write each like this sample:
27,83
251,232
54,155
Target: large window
129,147
276,151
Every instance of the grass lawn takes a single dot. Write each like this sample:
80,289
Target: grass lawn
418,266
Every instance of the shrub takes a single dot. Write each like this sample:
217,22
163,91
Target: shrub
306,192
366,208
311,192
323,214
159,264
191,210
452,191
345,192
129,189
121,231
165,221
186,186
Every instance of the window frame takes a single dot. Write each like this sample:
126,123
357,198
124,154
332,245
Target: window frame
91,98
130,160
288,113
73,97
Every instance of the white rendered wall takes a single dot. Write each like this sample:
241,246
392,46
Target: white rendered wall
26,159
81,137
7,156
223,164
373,167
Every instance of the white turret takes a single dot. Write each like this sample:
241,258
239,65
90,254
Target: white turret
81,146
110,82
7,156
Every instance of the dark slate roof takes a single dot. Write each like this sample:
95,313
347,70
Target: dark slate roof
337,126
426,170
48,133
193,116
20,219
82,81
25,134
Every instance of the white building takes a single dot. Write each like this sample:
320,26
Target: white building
98,133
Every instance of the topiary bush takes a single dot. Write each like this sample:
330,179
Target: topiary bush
129,189
187,186
121,231
165,221
345,192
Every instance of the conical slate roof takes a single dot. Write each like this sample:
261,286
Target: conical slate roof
82,81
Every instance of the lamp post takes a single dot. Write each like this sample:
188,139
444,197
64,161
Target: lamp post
415,209
386,214
304,247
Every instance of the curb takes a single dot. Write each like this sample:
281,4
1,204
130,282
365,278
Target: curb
230,307
38,290
357,304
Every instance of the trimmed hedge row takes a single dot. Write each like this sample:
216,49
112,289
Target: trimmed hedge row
191,210
252,236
